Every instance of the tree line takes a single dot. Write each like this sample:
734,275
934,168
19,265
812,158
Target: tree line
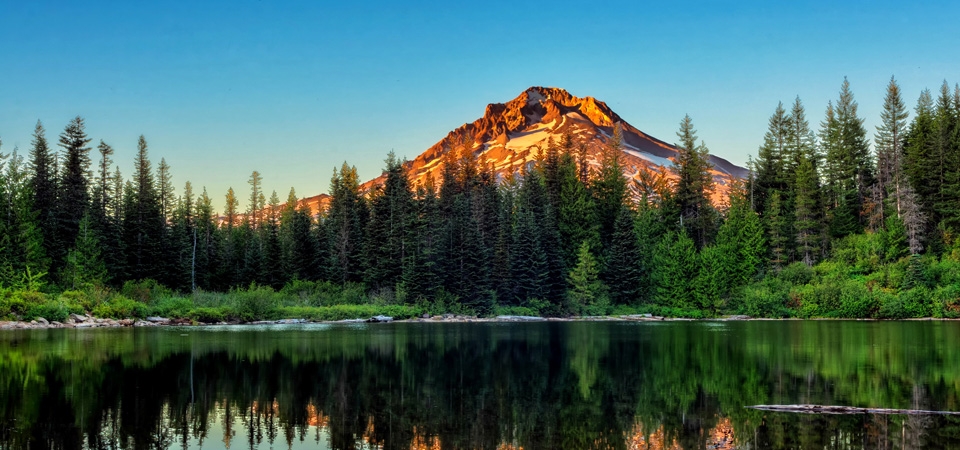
563,235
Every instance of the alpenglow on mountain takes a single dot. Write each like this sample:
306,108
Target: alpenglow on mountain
510,135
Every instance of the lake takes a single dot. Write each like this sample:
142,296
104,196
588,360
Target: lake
549,385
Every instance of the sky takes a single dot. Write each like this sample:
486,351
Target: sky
292,90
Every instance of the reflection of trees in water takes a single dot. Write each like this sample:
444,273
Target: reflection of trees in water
580,385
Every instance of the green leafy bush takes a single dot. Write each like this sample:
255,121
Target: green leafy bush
856,302
145,291
172,307
797,274
255,303
120,307
767,298
53,311
209,315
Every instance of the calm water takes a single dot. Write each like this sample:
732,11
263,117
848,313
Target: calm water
491,386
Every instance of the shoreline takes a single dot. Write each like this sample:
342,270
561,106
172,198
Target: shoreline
76,321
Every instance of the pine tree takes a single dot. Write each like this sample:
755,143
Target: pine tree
694,186
345,219
230,214
806,201
387,241
586,292
921,165
891,162
849,174
946,148
576,213
675,265
84,266
623,268
776,234
772,158
256,205
610,187
165,194
43,186
143,219
73,198
420,276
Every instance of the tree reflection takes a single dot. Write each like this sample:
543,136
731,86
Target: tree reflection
479,386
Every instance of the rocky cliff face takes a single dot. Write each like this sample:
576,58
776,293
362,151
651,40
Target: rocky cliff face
509,136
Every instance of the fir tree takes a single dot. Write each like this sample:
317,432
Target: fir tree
694,186
43,186
610,187
345,219
74,198
387,240
587,292
84,266
623,268
675,264
143,219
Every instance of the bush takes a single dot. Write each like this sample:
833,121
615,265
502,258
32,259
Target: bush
797,274
145,291
906,305
173,307
346,312
120,307
767,298
255,303
856,302
54,311
515,311
209,315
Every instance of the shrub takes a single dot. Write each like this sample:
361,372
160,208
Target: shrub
515,311
905,305
174,307
797,274
120,307
54,311
346,312
856,301
767,298
209,315
145,291
255,303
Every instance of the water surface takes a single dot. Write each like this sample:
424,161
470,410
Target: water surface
480,385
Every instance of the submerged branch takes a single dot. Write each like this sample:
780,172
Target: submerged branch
832,409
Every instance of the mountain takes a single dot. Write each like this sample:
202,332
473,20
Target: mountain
508,136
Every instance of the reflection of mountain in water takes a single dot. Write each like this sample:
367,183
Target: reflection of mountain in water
472,386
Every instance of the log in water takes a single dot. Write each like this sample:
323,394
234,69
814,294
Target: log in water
833,409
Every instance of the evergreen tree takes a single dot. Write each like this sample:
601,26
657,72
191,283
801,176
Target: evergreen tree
806,201
694,186
420,276
849,174
273,274
387,240
256,205
772,158
921,163
610,187
623,269
576,213
84,266
165,193
74,197
143,219
43,186
345,219
675,264
776,231
586,292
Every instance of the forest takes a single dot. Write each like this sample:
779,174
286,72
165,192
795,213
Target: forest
827,225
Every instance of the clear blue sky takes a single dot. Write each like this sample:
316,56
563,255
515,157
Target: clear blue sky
222,89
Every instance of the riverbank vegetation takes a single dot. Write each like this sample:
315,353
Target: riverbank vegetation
824,226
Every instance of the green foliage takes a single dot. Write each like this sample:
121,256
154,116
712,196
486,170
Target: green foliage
911,303
210,314
768,298
347,312
53,311
796,274
255,303
144,291
172,307
120,307
587,294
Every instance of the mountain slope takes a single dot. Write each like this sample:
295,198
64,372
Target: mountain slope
508,136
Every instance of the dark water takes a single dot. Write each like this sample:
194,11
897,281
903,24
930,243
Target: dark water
472,386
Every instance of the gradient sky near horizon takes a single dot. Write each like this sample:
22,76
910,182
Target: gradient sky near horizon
292,90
